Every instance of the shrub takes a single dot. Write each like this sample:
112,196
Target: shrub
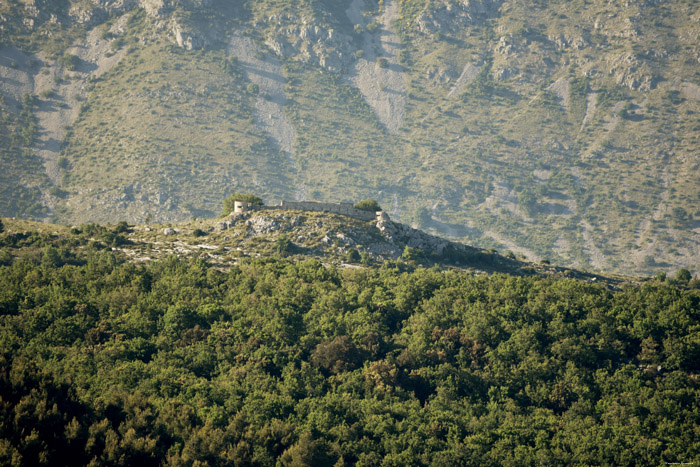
63,163
122,227
412,254
368,205
69,61
57,192
5,258
283,246
382,62
365,258
352,256
253,88
118,43
683,276
246,197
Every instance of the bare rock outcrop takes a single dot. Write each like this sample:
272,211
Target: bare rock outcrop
448,16
377,73
402,234
159,8
631,72
304,40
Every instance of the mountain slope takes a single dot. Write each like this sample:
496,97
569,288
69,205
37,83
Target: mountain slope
558,130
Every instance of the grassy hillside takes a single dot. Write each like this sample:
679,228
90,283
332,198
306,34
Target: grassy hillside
558,130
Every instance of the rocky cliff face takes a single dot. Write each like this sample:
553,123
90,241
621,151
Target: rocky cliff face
448,16
302,39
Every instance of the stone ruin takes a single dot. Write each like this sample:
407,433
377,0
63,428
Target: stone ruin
345,209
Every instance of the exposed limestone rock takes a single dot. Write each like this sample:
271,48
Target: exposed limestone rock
565,41
561,89
403,234
505,45
223,225
377,74
631,72
187,38
447,16
99,10
158,8
440,75
502,73
690,91
297,38
263,224
469,72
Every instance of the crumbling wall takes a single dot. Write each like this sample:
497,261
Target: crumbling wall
345,209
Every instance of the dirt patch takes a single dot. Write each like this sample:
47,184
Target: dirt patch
595,255
378,74
591,104
690,91
469,72
560,88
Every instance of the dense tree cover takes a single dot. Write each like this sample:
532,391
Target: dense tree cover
276,362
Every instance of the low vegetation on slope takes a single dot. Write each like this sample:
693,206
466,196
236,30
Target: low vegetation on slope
275,362
22,177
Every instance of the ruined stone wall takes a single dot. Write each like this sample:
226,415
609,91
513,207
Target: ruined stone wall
345,209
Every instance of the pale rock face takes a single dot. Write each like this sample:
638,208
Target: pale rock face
404,234
99,10
153,7
632,73
447,15
187,39
315,45
565,42
504,46
502,73
157,8
440,75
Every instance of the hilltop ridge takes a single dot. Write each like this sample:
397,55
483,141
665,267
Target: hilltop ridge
333,238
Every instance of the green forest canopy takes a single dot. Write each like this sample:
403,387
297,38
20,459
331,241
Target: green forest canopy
109,362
